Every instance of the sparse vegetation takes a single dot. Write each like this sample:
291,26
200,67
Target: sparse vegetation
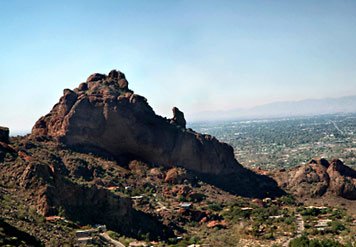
304,241
210,215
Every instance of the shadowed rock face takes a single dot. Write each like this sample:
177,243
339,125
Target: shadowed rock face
4,143
4,134
178,117
103,115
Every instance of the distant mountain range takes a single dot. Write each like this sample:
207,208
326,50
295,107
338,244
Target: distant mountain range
306,107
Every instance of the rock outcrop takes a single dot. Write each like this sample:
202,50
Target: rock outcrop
342,180
4,134
178,117
103,115
319,177
4,143
54,192
87,204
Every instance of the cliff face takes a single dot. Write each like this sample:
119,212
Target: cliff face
83,203
103,115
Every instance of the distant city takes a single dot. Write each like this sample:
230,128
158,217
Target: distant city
287,142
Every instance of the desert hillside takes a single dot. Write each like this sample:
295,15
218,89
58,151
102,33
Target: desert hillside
102,168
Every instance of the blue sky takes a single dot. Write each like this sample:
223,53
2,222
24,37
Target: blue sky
196,55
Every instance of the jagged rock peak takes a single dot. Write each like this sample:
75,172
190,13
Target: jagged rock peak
115,80
103,115
344,170
178,117
321,161
319,177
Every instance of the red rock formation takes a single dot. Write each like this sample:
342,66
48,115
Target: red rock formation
342,180
103,115
215,223
52,191
319,177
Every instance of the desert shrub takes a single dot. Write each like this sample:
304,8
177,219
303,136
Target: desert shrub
313,211
269,235
194,240
235,213
304,241
181,198
337,214
287,200
262,214
172,241
289,220
113,235
39,219
196,197
215,206
337,226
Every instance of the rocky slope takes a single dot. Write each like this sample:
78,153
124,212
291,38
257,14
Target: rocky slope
319,177
104,116
102,156
55,181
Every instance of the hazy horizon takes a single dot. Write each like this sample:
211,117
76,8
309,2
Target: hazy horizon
240,113
198,56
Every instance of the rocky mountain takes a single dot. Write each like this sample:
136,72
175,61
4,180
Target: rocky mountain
104,116
319,177
102,156
93,140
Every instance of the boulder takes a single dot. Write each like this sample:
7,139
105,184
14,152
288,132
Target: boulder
96,77
175,176
215,223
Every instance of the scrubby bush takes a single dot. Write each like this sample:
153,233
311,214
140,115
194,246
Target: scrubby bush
287,200
304,241
215,206
113,235
337,226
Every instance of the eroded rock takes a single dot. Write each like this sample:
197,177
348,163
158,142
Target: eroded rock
178,117
319,177
104,116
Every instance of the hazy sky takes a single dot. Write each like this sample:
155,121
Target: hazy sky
196,55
